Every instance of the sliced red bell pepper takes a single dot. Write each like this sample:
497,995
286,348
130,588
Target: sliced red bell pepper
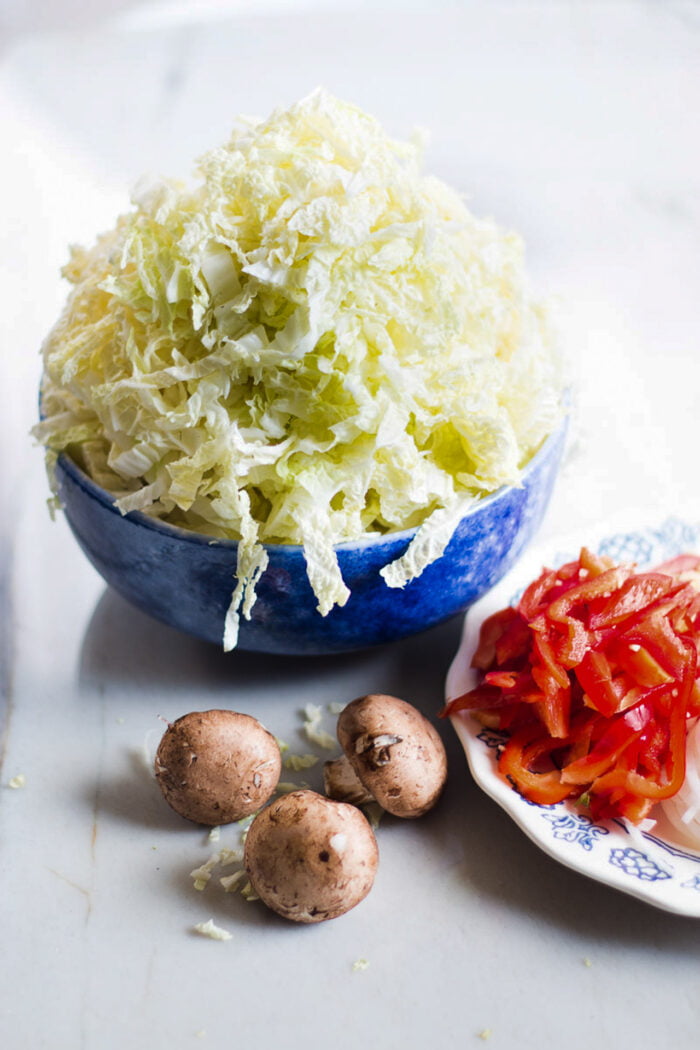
680,564
638,663
598,586
635,594
505,680
594,674
513,645
543,651
555,703
530,604
657,788
593,564
620,733
661,641
492,629
521,754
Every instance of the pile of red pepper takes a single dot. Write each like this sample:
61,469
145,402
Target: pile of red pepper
594,676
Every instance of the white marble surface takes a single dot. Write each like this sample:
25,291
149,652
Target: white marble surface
577,125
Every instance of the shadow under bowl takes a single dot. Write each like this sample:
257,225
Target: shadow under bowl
186,580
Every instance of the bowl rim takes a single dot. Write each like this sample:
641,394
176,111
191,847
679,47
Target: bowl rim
147,521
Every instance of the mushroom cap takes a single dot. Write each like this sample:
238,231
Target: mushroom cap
396,753
215,767
309,858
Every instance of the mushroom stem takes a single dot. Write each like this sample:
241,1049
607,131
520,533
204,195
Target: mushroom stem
376,749
341,782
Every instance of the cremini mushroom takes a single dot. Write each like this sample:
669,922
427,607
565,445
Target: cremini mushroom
392,754
215,767
310,858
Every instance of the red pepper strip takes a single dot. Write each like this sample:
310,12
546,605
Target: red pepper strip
638,663
530,604
514,644
571,648
570,573
595,677
523,751
581,740
489,694
632,697
606,692
635,595
619,804
685,617
658,637
593,564
545,651
648,787
492,629
502,679
553,584
623,731
555,703
653,743
515,716
599,586
482,698
672,604
571,643
681,563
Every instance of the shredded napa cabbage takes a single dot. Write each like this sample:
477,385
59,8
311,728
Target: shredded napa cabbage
315,343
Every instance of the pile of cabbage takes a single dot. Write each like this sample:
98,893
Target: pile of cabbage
315,343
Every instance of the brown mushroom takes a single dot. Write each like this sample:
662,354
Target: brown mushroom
392,754
309,858
215,767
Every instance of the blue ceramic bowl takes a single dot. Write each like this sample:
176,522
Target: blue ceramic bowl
186,580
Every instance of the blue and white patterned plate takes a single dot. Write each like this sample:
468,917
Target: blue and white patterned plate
651,864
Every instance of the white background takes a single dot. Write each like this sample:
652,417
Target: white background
575,124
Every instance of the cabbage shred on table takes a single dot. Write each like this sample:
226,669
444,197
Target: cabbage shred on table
317,343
